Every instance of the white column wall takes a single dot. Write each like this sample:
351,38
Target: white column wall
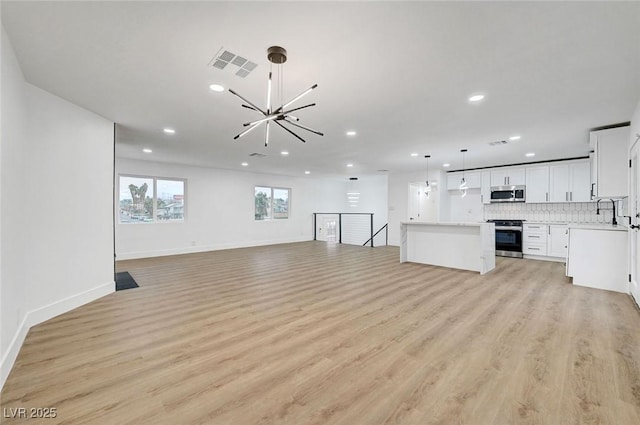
57,204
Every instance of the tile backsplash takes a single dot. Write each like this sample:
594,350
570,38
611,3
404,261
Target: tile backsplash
574,212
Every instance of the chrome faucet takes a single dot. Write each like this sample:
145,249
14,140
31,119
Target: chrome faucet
614,222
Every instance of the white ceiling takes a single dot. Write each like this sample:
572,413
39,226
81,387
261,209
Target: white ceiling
399,73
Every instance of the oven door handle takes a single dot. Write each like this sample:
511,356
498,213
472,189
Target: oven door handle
508,228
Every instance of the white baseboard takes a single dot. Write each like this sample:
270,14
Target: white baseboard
202,248
44,313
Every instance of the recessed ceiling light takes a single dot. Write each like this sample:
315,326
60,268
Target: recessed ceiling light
446,165
514,138
284,153
529,154
216,87
476,98
349,165
147,150
351,133
414,154
244,164
169,131
307,172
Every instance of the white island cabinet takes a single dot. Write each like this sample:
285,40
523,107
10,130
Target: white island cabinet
597,256
467,246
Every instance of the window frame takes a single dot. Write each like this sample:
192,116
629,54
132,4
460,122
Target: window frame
154,199
272,189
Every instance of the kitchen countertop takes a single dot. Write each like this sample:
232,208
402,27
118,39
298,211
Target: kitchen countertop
598,226
446,223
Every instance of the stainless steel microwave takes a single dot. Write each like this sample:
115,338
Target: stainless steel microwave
507,194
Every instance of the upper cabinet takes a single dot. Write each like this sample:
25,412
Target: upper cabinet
610,162
472,178
512,176
570,182
537,190
485,187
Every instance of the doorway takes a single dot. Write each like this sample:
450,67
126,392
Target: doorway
328,229
634,212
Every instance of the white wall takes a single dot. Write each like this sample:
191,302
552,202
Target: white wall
12,251
57,204
220,211
373,199
398,199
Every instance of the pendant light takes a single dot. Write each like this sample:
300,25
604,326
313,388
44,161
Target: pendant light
427,190
463,182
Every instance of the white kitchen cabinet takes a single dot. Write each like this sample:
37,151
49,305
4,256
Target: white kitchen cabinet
570,182
508,176
534,239
471,177
537,184
485,187
557,240
597,257
610,162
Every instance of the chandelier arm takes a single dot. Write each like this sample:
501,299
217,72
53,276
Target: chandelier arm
250,107
297,109
250,103
247,130
298,137
296,98
266,134
267,118
269,95
305,128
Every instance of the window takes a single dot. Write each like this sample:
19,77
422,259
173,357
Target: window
271,203
151,199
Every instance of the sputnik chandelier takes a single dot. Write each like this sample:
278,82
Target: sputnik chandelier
278,56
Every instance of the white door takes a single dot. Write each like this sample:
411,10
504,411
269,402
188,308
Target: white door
634,211
327,228
414,201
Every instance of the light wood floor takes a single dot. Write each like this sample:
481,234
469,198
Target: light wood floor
315,333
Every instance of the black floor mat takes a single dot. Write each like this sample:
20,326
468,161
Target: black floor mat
125,281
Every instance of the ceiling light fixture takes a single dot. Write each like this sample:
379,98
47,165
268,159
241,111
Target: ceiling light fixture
351,133
244,164
414,154
147,150
284,153
276,55
530,154
446,165
169,131
476,98
514,138
427,190
463,182
349,165
307,172
216,87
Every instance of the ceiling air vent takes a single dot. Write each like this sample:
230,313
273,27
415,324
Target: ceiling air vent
257,155
242,66
498,143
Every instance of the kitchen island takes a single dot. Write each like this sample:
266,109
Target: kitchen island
597,256
467,246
